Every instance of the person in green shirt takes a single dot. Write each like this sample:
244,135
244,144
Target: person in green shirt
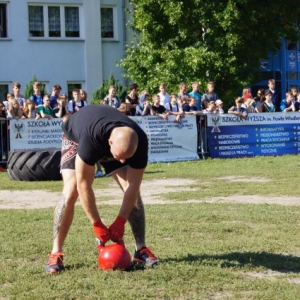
45,110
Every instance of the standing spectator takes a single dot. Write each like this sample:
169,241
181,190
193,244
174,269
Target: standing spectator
297,103
144,108
56,89
14,110
190,107
158,109
17,93
37,96
219,106
124,109
9,98
112,99
275,95
268,105
83,95
182,91
46,111
287,105
294,92
249,104
246,93
259,100
29,110
174,108
210,109
76,103
132,98
195,93
61,109
163,95
210,95
238,110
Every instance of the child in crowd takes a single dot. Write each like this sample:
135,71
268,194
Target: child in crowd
174,108
268,105
14,110
158,109
238,110
195,93
9,98
76,103
37,96
112,99
17,93
210,95
61,109
287,105
29,110
46,111
297,102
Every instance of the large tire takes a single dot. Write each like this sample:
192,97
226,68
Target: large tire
34,165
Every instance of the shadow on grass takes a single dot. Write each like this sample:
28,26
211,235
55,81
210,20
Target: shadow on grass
238,260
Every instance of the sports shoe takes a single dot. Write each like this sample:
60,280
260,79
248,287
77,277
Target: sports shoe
144,257
55,263
99,174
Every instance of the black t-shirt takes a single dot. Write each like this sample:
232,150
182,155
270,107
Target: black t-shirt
134,100
159,109
91,127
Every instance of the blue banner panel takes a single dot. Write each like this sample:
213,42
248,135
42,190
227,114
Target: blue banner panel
266,134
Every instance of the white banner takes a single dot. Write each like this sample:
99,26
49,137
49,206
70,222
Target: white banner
168,141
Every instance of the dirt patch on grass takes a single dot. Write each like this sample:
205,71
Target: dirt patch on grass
152,193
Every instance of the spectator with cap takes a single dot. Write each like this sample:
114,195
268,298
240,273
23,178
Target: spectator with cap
219,106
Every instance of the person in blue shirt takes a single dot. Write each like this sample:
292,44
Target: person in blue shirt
195,93
287,104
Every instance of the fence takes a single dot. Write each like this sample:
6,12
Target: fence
4,141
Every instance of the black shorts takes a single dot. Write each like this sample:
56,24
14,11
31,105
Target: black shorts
68,156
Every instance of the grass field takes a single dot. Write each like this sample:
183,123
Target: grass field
207,250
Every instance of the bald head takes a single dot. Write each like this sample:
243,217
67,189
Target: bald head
123,142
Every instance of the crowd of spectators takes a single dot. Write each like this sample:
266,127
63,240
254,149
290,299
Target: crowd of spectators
161,104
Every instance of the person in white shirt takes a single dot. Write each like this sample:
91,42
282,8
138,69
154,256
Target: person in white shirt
163,95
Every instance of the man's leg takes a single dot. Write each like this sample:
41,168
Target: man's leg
64,211
142,256
63,217
137,216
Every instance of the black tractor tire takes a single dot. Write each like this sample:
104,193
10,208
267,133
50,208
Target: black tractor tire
34,165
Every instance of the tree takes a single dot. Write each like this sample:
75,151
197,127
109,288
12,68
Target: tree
102,91
200,40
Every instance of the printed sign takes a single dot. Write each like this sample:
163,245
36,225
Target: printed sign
260,134
168,140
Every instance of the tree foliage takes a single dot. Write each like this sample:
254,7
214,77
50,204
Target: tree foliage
200,40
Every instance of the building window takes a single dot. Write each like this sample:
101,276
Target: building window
3,20
53,21
108,23
3,91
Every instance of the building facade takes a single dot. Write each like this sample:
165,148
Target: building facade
74,43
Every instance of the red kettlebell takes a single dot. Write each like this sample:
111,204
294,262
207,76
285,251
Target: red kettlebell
113,257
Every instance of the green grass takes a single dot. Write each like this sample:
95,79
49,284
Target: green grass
207,250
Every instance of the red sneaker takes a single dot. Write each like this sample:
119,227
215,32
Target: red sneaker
55,263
